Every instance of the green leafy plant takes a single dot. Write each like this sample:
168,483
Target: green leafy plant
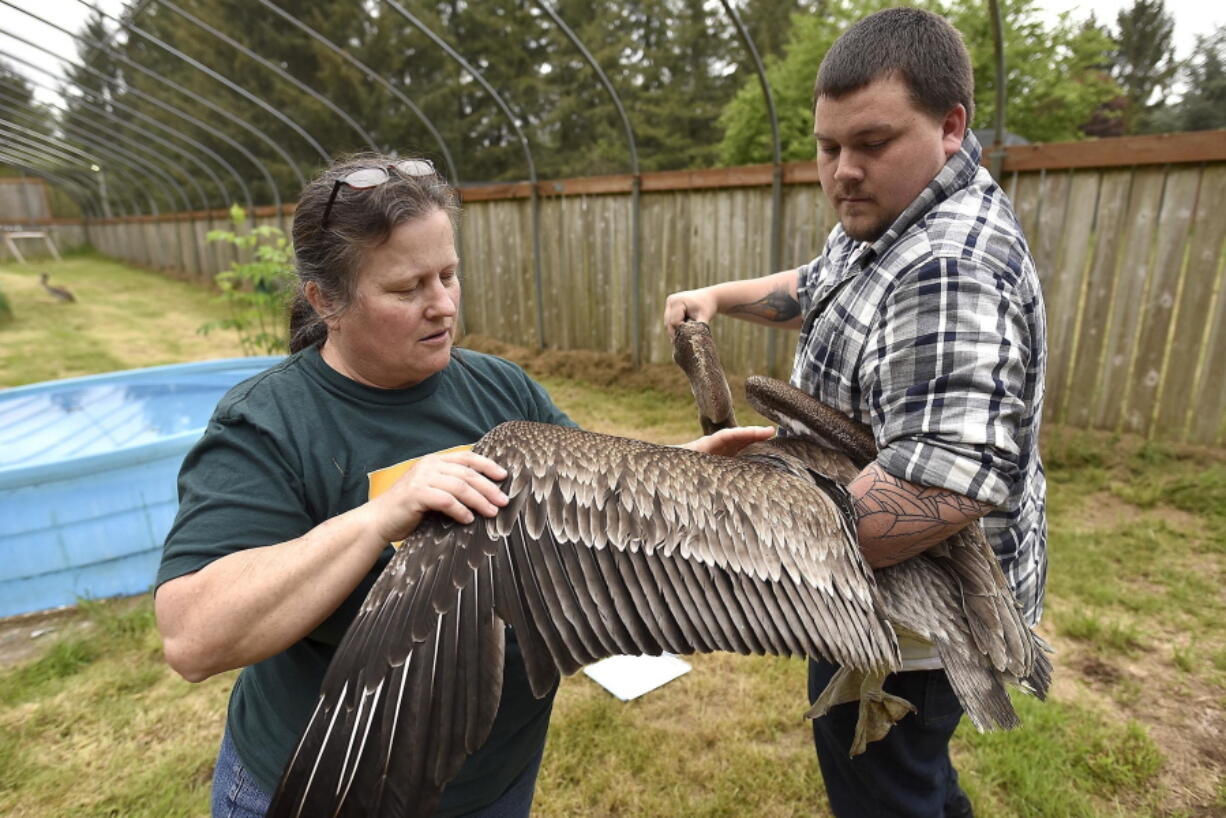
6,312
258,292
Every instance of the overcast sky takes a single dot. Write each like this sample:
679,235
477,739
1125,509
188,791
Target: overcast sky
1191,17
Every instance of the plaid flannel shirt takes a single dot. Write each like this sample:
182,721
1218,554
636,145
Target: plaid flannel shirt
934,335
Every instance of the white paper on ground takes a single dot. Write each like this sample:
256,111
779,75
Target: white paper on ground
628,677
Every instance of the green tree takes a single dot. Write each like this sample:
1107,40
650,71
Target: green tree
1144,61
1203,105
1054,77
1054,73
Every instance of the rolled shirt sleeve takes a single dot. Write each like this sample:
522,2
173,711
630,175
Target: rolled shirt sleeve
945,374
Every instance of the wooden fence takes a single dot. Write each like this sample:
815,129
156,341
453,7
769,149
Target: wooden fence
1129,236
21,199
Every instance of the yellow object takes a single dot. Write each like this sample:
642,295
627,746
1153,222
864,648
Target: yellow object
382,479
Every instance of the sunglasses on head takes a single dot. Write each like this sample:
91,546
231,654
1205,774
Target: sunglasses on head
366,178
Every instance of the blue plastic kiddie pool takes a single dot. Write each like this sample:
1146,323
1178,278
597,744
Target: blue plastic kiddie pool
87,477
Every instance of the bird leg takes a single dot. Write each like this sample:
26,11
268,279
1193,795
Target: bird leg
878,710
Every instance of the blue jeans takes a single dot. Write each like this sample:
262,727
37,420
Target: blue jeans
237,795
235,792
907,773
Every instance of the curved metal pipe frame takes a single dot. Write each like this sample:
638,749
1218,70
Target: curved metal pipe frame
58,153
209,72
776,240
996,161
32,133
63,183
219,186
275,69
139,165
122,156
453,170
212,106
11,153
106,137
100,142
523,141
636,185
166,106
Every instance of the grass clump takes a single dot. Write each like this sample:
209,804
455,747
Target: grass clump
1113,636
1066,761
65,658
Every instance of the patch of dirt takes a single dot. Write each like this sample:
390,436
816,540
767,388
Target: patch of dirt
1183,715
27,636
1188,722
1104,510
1096,671
602,369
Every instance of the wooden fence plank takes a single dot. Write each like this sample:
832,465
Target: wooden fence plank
1064,296
1152,149
1026,204
1132,274
1155,313
1193,306
1044,243
1208,257
1209,402
1092,324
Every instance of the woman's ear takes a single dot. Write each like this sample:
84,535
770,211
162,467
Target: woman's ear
319,303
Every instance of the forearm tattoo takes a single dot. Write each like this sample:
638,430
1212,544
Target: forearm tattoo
897,519
777,306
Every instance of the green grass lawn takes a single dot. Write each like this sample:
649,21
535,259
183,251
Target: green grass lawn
123,318
93,723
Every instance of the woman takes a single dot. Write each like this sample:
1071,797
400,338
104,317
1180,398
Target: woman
277,540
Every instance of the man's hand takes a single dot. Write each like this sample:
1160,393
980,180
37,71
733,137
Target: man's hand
692,305
729,442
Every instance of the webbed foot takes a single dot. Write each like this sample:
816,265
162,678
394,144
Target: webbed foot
878,712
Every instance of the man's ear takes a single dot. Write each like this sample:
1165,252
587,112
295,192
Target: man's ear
953,129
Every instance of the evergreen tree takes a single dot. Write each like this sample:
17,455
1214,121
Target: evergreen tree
1144,60
1203,106
19,107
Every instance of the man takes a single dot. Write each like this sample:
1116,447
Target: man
922,317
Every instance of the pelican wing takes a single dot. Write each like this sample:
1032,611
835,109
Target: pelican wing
607,546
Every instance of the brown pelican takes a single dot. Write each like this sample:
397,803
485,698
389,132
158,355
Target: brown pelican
58,293
615,546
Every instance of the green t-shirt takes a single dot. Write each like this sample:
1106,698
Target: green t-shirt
292,447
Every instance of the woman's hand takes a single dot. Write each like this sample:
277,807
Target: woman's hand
729,442
456,484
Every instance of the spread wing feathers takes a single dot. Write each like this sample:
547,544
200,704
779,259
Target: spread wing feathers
748,544
956,596
922,596
607,546
995,620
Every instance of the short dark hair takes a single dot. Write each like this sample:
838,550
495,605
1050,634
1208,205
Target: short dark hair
920,47
360,219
